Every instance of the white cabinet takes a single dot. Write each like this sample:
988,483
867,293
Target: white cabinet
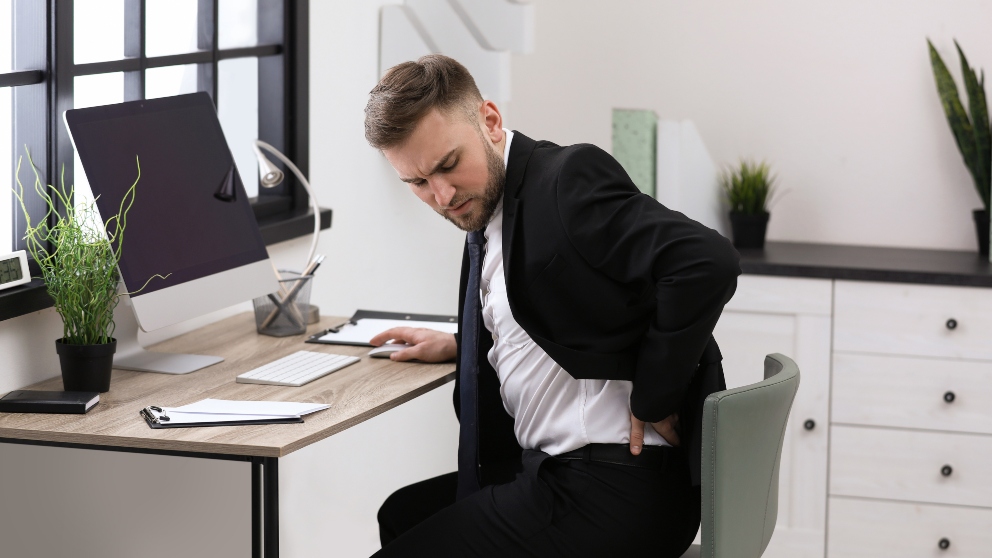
911,465
918,320
861,528
909,392
897,389
911,417
789,316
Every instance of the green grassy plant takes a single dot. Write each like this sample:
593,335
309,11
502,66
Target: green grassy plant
971,132
748,187
78,257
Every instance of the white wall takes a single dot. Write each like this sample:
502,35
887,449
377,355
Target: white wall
385,251
837,94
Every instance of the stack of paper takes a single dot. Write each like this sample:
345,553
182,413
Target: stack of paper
220,410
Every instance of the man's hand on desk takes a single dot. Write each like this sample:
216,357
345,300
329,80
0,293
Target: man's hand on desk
428,345
666,428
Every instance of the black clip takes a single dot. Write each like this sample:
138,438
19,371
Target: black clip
336,329
147,412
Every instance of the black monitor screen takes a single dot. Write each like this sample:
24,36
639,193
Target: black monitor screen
191,217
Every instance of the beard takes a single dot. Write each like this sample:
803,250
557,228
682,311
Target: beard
491,195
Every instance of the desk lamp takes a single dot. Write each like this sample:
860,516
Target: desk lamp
272,176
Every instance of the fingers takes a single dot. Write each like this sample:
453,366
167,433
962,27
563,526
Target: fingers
428,345
414,352
401,356
636,435
424,351
666,429
402,334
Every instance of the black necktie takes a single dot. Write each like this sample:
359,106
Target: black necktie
468,376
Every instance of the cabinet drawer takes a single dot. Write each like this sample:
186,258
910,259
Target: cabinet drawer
924,393
891,318
870,529
782,295
909,465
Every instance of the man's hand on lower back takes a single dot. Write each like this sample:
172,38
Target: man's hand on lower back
665,428
428,345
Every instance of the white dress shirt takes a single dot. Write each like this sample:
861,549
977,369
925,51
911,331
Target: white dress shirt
552,411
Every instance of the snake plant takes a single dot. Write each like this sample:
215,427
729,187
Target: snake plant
971,131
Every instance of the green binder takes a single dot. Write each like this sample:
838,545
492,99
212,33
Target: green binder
635,145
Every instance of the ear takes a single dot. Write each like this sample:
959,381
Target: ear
491,121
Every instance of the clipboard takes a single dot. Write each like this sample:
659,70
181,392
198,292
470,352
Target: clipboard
158,418
366,324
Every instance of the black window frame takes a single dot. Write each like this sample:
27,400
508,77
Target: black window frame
43,38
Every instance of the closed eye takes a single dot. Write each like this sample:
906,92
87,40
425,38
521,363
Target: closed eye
444,165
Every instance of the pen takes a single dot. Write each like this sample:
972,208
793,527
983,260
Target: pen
292,292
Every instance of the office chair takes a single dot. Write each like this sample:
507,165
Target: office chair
743,429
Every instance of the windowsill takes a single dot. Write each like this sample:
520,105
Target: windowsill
33,296
29,297
291,224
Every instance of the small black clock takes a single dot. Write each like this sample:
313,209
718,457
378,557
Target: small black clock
13,269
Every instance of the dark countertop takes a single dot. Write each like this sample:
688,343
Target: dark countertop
868,263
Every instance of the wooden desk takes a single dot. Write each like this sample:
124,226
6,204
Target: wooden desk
356,393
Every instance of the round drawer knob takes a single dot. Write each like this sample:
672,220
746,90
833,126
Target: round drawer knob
946,470
952,323
810,424
949,397
944,544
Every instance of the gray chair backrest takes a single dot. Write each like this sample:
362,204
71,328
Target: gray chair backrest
743,429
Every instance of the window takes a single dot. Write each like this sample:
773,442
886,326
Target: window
6,123
249,55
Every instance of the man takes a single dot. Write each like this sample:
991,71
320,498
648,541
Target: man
585,311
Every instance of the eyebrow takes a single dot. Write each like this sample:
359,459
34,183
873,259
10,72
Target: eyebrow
437,166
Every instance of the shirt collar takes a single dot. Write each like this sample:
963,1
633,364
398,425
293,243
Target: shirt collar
506,148
497,217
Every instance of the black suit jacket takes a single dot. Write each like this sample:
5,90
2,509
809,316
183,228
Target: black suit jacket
609,282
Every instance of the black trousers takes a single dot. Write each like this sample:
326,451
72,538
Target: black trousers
554,507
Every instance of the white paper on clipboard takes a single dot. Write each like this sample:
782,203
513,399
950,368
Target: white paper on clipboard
360,332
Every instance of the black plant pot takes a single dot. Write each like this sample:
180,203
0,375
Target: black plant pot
749,229
982,228
86,367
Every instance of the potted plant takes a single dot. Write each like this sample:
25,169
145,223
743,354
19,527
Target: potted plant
748,189
78,256
971,131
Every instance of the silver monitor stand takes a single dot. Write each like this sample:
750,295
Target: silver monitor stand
132,356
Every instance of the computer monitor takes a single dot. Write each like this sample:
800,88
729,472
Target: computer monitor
191,219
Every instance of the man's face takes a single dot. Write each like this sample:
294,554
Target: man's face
452,164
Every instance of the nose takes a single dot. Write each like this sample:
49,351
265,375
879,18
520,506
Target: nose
444,192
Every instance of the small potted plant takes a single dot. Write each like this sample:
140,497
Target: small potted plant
748,189
78,256
972,132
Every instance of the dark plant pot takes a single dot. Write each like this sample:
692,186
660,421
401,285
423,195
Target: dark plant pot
86,367
749,229
982,228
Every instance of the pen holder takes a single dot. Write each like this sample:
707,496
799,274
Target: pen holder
285,312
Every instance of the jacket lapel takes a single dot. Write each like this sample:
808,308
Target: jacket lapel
516,166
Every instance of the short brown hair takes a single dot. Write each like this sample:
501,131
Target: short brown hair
410,90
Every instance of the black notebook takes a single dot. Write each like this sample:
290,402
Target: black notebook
62,402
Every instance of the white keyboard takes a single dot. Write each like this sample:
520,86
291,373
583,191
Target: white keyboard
297,369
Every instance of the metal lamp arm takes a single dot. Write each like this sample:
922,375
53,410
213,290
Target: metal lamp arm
306,185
